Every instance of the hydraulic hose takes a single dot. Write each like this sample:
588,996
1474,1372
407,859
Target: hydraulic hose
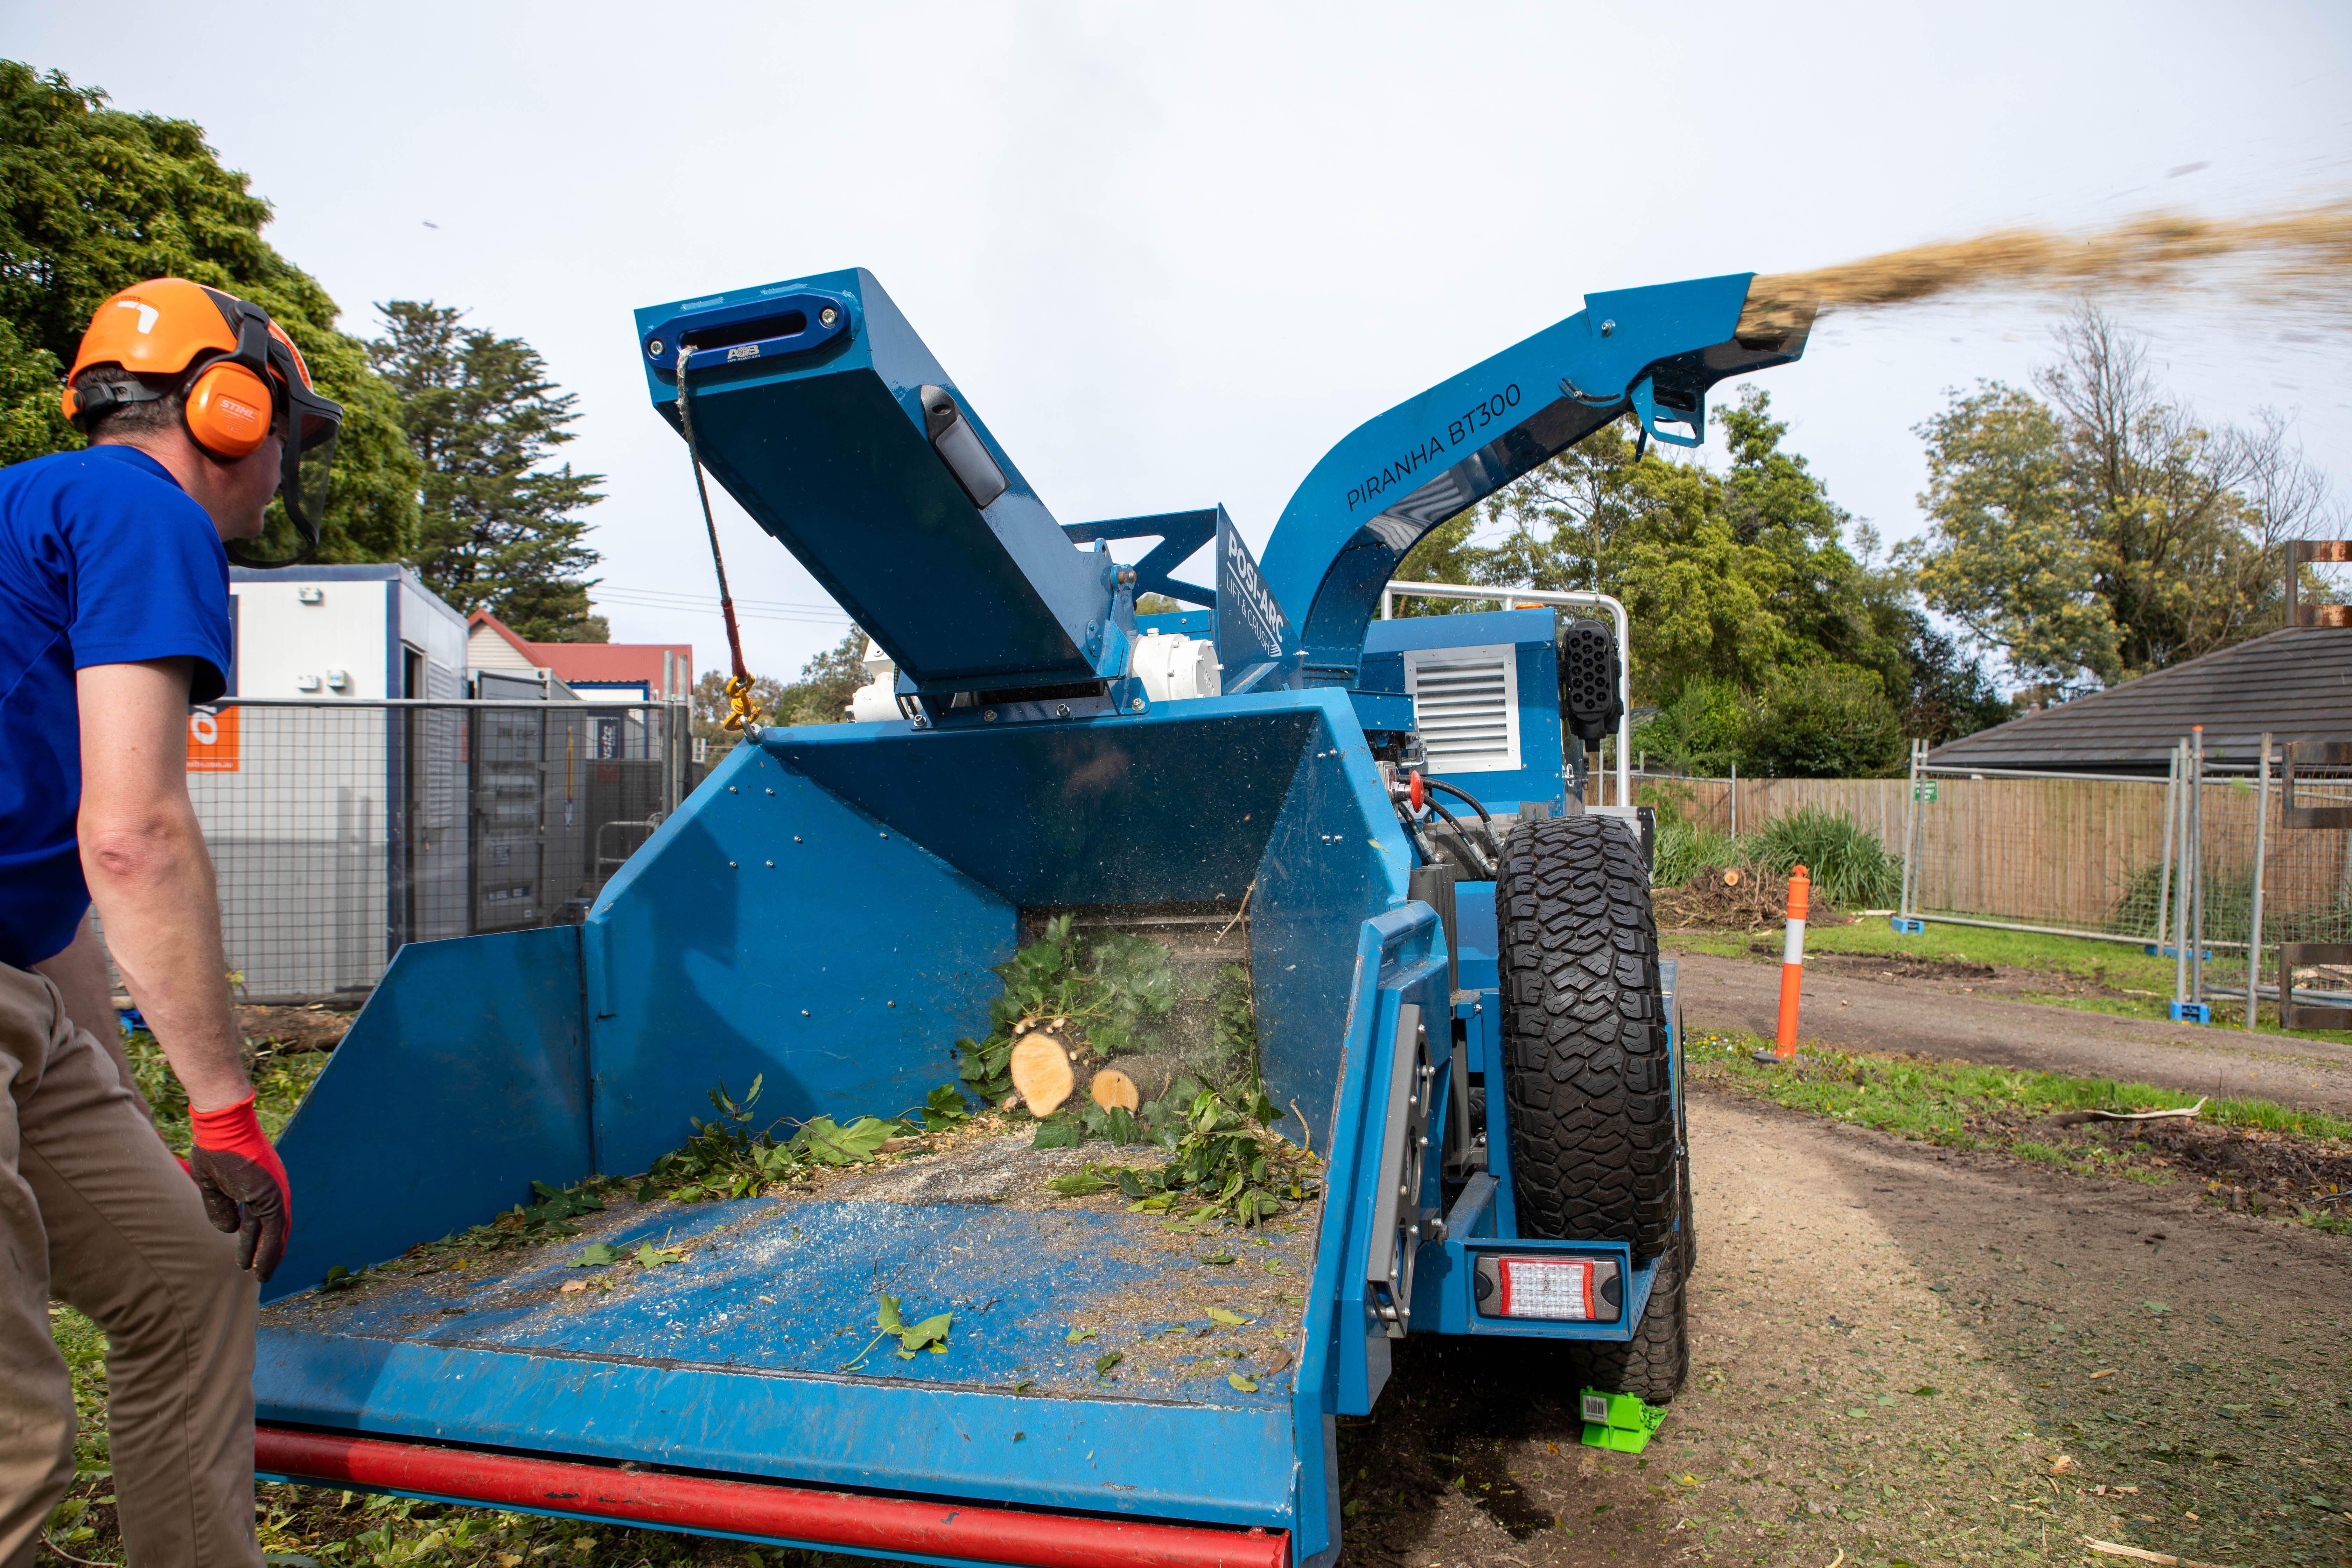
1478,862
1414,831
1494,839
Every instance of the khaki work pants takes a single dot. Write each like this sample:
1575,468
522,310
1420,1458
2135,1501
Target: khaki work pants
95,1211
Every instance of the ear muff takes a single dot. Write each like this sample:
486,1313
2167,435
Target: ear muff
229,410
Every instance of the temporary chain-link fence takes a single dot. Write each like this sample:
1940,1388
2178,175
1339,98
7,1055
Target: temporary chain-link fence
342,830
2214,866
2198,865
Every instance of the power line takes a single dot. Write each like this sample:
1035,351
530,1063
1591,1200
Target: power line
704,603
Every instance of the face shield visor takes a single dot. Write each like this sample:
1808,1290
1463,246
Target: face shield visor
307,425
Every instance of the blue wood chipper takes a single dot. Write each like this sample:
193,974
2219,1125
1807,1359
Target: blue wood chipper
1448,960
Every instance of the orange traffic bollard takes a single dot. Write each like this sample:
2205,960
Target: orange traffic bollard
1793,964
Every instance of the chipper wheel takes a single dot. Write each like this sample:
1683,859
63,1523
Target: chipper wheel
1652,1365
1590,1102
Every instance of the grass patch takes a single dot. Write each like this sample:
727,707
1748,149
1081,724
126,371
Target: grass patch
1951,1101
2140,985
279,1083
1849,867
2250,1153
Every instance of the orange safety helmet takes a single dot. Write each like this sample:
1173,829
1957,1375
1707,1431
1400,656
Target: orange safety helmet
242,375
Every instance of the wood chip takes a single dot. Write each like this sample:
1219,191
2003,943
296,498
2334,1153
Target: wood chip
2110,1549
2076,1118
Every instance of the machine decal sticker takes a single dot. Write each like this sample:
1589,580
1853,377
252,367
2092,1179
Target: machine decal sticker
1251,609
1472,420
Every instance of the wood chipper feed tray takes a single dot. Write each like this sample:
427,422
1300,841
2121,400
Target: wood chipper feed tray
1049,1294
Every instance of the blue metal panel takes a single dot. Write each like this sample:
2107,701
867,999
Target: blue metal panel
1181,535
1343,1359
770,928
1177,802
1253,634
1335,856
1538,776
462,1082
1476,937
1179,623
1210,1463
735,1361
827,449
1374,495
1444,1297
1393,965
1383,710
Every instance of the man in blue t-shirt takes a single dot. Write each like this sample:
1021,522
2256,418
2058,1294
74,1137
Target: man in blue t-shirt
114,618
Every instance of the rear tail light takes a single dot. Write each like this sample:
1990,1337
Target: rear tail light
1569,1289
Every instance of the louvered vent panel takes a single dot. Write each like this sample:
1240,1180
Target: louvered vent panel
1465,706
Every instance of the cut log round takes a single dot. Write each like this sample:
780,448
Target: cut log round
1148,1073
1113,1087
1041,1072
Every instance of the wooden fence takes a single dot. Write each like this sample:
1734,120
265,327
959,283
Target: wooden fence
2072,853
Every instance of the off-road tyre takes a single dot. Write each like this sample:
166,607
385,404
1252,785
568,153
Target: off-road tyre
1654,1363
1588,1099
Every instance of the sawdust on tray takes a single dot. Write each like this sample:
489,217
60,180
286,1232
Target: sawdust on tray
2296,258
1159,1323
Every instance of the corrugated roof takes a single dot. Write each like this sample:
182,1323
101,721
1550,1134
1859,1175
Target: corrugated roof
596,663
2295,684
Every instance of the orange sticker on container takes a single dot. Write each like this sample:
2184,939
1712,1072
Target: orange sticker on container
212,741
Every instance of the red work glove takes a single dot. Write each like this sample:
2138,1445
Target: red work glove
235,1165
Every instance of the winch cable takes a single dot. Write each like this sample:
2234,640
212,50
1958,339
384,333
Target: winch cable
742,713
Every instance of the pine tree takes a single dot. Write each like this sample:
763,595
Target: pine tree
500,528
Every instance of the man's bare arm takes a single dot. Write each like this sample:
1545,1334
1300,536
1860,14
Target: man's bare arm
144,856
79,973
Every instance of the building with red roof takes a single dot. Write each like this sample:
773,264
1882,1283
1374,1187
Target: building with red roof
635,671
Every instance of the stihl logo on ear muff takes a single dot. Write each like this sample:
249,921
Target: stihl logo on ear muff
242,378
228,410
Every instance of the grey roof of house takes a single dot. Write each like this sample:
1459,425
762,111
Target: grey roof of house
2295,684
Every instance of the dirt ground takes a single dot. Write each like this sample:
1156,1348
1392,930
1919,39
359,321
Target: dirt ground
1910,1356
1859,1001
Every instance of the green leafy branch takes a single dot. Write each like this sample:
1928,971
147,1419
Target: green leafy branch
526,1224
1223,1167
930,1334
727,1159
1095,996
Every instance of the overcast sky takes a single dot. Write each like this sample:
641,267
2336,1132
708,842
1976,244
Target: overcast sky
1175,253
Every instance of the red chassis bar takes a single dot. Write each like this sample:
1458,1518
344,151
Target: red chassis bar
842,1521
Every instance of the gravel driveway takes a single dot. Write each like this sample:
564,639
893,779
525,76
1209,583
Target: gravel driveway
1909,1355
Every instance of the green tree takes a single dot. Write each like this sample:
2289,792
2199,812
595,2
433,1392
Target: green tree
500,528
1824,721
1700,732
94,199
1726,576
826,683
2100,530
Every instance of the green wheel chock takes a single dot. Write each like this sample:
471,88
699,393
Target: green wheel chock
1618,1421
